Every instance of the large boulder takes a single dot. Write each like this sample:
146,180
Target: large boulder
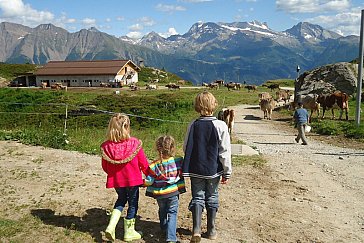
341,76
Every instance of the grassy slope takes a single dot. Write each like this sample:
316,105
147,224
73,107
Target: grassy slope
85,133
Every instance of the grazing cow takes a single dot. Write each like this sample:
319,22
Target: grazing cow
205,84
337,99
231,86
172,86
267,106
105,85
43,85
55,86
238,86
271,86
310,103
251,87
213,86
264,95
133,87
151,86
219,82
284,95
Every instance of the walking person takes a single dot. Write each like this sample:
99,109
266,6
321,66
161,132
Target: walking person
301,119
123,160
165,183
207,161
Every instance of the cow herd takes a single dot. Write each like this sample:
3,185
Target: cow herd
311,102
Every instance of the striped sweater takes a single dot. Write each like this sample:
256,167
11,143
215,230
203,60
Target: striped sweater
164,178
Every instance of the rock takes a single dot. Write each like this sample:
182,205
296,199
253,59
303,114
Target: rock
326,79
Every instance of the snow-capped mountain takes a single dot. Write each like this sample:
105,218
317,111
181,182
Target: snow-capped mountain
249,51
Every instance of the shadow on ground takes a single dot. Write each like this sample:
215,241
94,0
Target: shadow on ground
95,221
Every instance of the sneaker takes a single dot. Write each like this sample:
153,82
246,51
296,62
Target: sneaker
304,144
297,140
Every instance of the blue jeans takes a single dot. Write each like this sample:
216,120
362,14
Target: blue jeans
205,192
130,195
168,209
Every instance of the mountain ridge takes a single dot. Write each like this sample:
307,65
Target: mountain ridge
236,51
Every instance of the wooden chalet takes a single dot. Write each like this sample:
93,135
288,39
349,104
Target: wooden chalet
107,73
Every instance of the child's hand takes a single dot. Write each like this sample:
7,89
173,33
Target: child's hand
224,180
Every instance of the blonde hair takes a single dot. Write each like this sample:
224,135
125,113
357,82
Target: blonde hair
205,103
165,146
119,128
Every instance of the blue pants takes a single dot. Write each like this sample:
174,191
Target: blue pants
205,192
168,210
130,195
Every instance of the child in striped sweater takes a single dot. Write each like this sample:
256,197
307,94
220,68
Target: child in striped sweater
165,184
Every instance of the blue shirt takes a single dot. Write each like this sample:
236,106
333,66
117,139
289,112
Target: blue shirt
300,116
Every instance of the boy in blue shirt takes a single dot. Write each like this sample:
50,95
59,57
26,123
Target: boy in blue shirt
301,119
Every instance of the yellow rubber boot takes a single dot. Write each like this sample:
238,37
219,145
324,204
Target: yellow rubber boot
130,233
114,219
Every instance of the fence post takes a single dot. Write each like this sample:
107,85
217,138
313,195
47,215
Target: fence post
65,121
360,72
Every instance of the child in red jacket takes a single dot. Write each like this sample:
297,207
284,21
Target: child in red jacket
123,160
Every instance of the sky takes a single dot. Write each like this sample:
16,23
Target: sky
168,17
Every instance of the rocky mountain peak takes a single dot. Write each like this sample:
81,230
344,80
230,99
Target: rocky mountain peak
311,32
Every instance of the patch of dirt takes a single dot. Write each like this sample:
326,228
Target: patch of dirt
311,193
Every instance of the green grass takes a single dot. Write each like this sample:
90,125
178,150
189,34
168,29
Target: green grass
281,82
35,116
10,71
32,229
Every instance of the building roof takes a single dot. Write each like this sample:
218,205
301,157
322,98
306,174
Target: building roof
100,67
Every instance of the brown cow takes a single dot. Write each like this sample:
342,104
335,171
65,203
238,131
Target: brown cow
309,102
284,95
267,106
228,116
337,99
271,86
264,95
231,120
231,86
213,86
251,87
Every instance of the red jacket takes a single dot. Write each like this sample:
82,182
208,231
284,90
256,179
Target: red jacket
124,163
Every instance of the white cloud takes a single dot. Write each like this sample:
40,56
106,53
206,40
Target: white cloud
146,21
88,21
108,20
169,8
347,23
134,35
141,23
136,27
312,6
120,18
171,31
18,12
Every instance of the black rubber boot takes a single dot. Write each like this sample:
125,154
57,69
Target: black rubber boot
196,230
211,228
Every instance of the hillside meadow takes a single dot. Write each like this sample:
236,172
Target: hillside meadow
38,117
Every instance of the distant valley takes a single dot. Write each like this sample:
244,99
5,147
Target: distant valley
239,51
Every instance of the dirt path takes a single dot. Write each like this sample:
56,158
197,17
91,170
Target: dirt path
311,193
